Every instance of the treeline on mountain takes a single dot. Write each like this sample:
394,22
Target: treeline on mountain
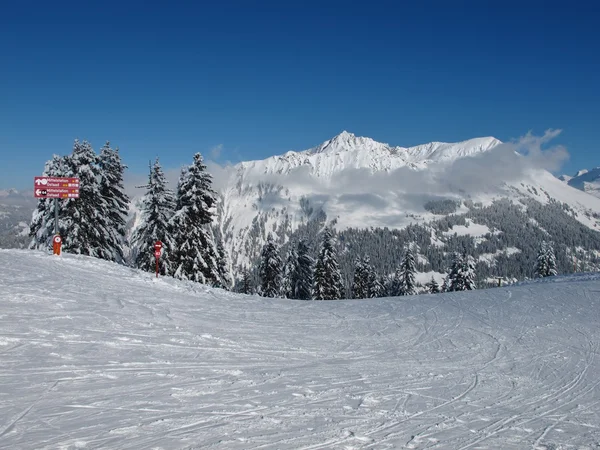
522,226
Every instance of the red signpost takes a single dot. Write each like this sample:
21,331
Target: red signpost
56,188
157,252
56,244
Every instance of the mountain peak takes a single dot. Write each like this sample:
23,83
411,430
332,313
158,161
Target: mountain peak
346,141
344,135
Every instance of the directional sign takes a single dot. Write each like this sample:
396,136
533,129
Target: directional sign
56,193
52,187
54,182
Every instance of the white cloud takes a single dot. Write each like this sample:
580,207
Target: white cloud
215,152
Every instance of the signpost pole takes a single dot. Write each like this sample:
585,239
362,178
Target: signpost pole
157,251
55,216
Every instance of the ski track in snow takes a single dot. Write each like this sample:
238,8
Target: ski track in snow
95,355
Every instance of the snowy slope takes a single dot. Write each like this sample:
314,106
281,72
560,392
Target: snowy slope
95,355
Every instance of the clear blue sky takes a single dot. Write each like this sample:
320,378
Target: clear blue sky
171,78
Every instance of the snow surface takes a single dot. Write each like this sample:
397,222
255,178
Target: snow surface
471,229
96,355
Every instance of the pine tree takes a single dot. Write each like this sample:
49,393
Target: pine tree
289,271
42,227
395,288
360,280
328,278
246,285
446,284
376,288
195,255
224,277
389,285
88,223
270,269
432,286
462,274
157,208
407,273
545,265
113,192
541,263
468,273
365,283
302,280
552,270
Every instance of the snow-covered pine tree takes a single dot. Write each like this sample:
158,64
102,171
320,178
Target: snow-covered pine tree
432,286
462,274
407,273
225,279
302,280
453,281
113,191
545,265
157,208
360,280
468,273
88,228
541,264
195,255
246,284
289,271
552,270
388,285
395,288
365,283
328,278
42,227
270,269
446,284
376,289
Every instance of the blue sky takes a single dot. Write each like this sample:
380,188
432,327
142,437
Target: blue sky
168,79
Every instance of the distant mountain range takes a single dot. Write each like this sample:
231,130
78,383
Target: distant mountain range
16,208
585,180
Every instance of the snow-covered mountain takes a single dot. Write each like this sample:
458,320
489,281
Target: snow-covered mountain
15,214
362,183
97,355
585,180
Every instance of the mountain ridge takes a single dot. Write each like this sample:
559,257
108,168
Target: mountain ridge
349,150
357,182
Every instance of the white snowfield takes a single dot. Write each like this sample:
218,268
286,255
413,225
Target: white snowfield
96,355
